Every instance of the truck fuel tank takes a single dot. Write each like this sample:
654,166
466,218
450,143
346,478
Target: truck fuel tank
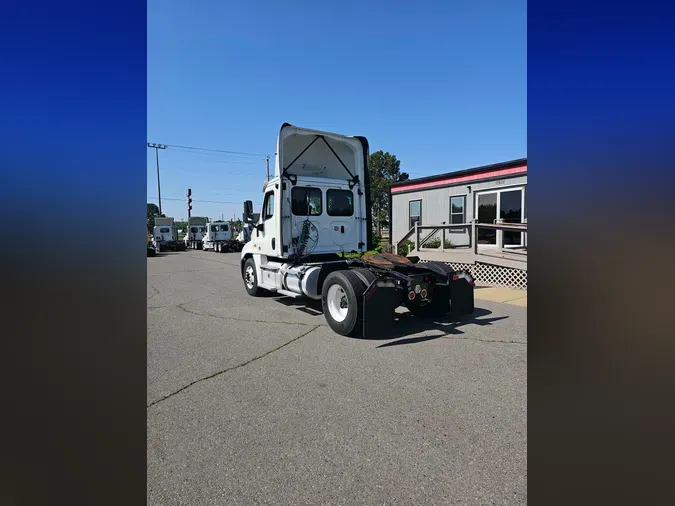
302,279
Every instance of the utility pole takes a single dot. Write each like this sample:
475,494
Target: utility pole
267,159
189,202
157,148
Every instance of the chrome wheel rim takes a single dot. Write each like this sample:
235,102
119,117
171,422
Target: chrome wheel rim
338,305
250,277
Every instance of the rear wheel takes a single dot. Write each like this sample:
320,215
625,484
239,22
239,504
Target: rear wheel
342,301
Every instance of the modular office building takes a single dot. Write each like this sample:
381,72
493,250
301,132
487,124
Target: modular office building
486,194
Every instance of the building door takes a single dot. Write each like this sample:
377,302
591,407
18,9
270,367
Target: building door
486,212
507,206
511,211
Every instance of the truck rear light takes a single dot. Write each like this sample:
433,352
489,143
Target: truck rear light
423,293
411,295
469,278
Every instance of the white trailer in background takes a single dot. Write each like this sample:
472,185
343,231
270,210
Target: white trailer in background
195,232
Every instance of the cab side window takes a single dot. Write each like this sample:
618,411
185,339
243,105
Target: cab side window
268,207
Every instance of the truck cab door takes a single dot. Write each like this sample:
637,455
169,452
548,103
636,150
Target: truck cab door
265,234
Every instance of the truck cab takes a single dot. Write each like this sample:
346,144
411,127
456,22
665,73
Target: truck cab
217,233
196,231
317,202
165,235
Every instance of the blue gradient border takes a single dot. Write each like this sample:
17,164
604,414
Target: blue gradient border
600,170
72,129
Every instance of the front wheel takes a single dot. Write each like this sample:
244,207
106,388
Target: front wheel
251,278
342,301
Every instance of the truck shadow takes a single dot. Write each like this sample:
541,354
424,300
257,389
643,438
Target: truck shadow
310,307
407,324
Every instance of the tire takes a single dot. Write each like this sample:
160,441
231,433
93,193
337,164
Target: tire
251,279
438,306
342,287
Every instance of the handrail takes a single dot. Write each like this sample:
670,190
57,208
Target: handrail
473,227
429,235
405,238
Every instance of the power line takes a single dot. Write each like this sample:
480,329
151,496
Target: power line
202,201
226,156
217,150
239,161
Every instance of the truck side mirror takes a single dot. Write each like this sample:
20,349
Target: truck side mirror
248,210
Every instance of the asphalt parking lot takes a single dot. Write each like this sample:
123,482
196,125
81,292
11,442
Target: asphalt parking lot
256,401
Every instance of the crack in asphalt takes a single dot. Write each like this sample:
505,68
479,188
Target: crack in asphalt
183,303
218,373
483,340
152,296
180,306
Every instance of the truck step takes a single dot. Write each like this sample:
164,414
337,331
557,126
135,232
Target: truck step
269,268
289,294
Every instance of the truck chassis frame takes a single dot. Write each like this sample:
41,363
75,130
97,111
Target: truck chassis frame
359,296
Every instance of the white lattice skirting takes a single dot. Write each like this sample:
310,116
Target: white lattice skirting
493,275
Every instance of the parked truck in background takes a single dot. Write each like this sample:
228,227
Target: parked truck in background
217,234
165,236
196,230
316,208
244,234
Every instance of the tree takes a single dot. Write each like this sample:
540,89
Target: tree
153,212
384,169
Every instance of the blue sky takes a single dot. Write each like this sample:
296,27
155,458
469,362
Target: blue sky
441,84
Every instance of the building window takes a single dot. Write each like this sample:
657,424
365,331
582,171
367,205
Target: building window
457,210
306,201
339,202
268,208
414,213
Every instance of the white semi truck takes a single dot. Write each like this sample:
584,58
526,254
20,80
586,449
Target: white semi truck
195,232
316,208
165,236
218,233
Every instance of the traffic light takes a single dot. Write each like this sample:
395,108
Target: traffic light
189,199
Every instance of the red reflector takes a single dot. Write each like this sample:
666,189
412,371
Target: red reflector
455,277
411,295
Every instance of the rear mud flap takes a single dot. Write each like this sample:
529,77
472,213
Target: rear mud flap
461,297
380,301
